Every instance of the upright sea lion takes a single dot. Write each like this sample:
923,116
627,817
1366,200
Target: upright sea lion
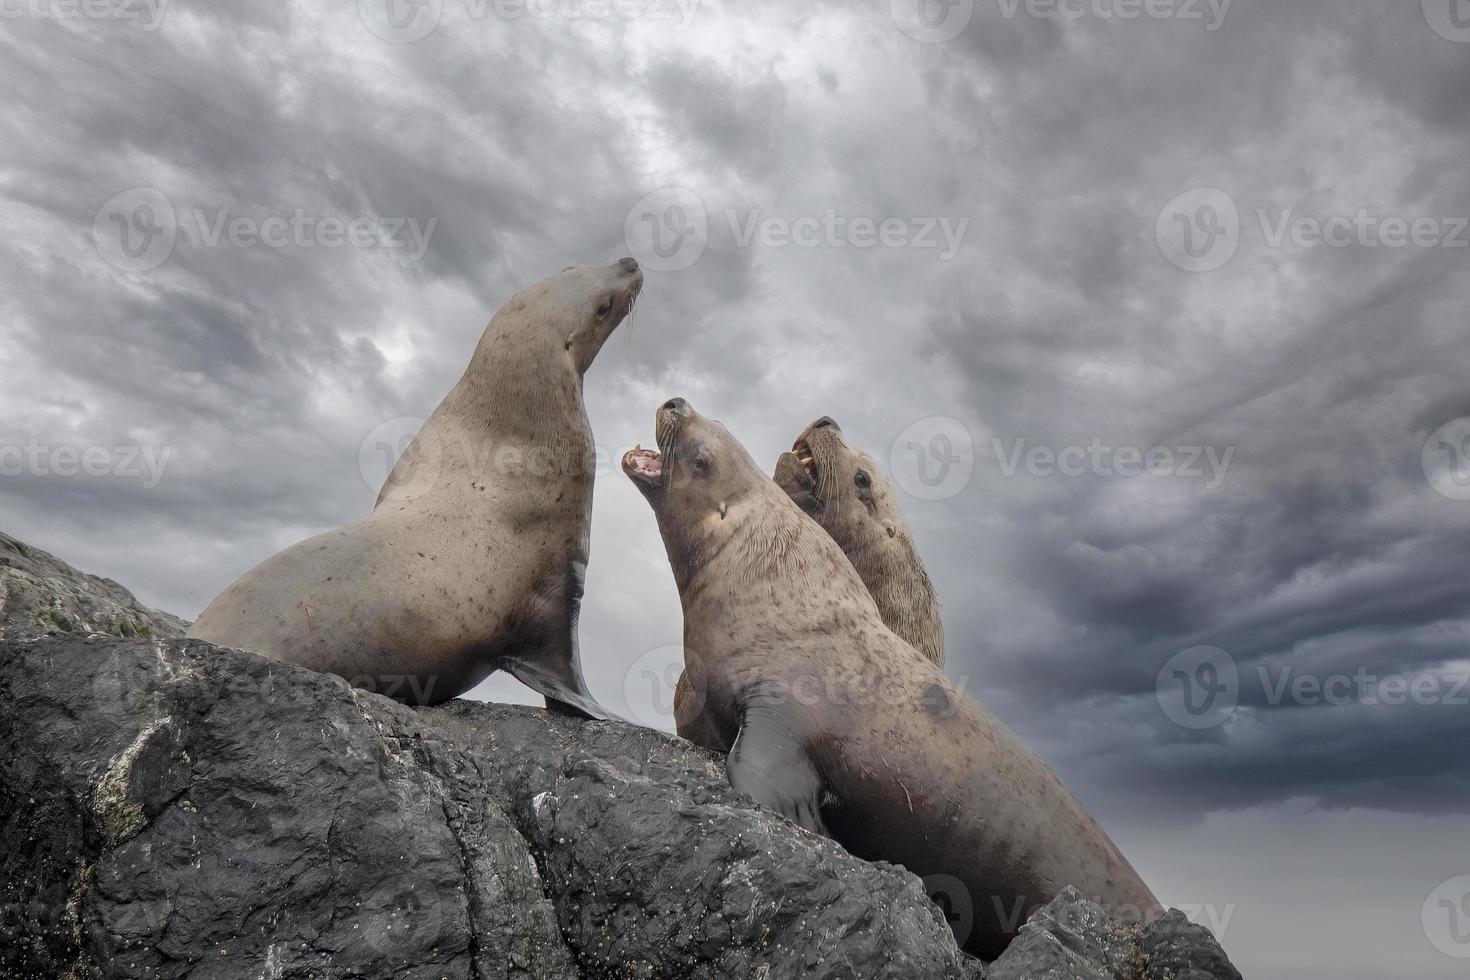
473,558
844,490
837,722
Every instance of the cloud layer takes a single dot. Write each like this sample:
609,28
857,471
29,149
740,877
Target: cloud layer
976,253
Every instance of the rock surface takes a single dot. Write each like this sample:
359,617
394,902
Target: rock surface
169,809
40,595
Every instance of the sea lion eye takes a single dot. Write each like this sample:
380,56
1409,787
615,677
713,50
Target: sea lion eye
701,462
604,308
863,480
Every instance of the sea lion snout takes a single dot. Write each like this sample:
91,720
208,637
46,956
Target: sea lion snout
629,264
826,422
646,467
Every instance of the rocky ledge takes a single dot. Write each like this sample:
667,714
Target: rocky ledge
169,809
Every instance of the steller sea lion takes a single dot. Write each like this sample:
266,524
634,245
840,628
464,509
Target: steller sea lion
845,492
473,558
837,722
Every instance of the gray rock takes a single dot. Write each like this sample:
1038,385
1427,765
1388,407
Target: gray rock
40,595
1074,939
1177,949
169,809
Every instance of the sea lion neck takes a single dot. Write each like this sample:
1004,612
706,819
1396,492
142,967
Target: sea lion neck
520,384
895,575
748,564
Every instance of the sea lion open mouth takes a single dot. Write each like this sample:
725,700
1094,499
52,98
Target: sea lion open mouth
647,466
798,472
644,465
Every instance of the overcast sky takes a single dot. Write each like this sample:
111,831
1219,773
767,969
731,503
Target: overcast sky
1159,316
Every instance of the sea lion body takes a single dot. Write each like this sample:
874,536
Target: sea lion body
847,493
841,725
473,558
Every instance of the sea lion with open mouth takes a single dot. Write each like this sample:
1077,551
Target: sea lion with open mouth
473,558
844,491
838,723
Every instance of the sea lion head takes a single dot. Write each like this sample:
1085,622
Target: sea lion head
844,491
701,483
841,488
573,312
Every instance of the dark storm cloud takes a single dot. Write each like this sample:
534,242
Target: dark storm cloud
1325,371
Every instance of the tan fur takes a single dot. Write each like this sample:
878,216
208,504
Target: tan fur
870,528
826,709
473,556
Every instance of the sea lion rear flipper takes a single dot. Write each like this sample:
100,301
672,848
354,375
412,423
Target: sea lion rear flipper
567,694
769,763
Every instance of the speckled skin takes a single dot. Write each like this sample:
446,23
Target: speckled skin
841,725
472,559
869,527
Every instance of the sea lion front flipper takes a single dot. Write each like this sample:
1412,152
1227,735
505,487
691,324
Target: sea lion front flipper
769,763
568,695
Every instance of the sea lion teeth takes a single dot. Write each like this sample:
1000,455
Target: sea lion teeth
409,600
